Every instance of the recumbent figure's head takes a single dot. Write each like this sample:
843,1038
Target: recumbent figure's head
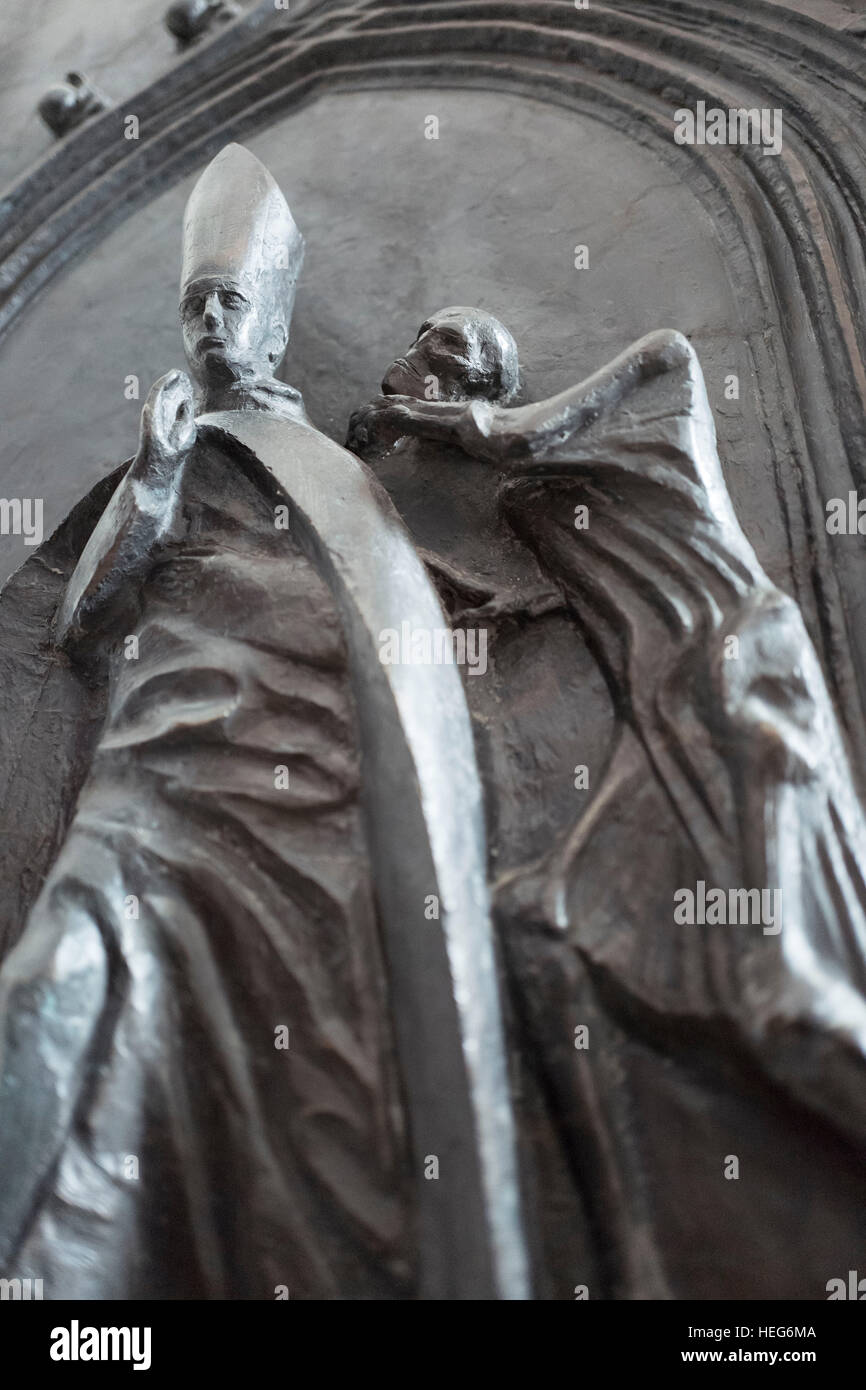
459,354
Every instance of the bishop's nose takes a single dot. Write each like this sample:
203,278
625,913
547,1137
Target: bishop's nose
213,313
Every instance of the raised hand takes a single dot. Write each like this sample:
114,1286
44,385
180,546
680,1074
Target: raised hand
140,516
168,431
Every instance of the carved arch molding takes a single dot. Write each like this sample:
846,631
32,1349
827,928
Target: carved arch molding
791,228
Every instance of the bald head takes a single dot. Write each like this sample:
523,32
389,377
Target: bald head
459,354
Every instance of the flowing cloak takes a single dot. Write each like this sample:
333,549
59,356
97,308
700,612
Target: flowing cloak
714,1113
199,1092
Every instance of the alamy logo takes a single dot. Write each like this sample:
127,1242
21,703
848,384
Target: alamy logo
76,1343
22,516
704,906
439,646
735,126
846,516
20,1289
854,1289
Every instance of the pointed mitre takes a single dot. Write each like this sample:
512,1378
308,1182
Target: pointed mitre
238,223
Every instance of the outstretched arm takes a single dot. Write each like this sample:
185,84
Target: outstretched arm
140,516
516,438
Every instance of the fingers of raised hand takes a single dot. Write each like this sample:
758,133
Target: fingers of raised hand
168,417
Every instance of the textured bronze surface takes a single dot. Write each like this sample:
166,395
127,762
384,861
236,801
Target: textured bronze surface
566,943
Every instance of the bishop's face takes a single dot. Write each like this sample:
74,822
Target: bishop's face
230,332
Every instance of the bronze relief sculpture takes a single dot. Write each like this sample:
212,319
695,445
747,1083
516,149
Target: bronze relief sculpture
318,978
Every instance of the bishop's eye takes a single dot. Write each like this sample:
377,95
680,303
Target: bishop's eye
193,307
230,300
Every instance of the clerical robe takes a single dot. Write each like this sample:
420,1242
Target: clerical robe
200,980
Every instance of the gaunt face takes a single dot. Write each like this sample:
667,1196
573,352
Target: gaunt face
443,359
229,332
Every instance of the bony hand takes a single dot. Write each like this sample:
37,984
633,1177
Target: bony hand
377,425
472,427
168,429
